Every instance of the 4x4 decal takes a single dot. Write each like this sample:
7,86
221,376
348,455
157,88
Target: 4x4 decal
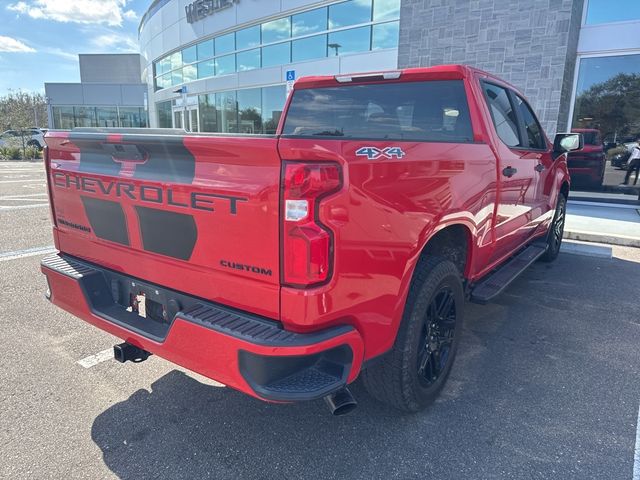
373,153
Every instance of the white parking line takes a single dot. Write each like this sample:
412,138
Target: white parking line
99,357
39,199
636,455
20,196
21,207
27,252
22,181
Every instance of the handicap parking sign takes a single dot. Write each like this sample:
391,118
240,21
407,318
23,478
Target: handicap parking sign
291,75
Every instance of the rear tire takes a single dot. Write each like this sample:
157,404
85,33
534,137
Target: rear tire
556,231
412,374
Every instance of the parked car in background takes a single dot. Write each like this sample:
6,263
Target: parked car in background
587,166
620,156
33,137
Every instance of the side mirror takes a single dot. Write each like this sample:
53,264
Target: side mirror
567,142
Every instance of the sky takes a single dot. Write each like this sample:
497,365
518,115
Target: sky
40,39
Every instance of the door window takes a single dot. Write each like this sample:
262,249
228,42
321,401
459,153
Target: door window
503,114
534,137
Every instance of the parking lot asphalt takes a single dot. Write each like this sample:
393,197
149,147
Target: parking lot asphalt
546,385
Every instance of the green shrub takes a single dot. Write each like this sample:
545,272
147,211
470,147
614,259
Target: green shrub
10,153
32,152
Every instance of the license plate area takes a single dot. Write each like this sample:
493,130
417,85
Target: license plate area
150,303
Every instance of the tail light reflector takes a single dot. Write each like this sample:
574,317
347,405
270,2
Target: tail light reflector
307,244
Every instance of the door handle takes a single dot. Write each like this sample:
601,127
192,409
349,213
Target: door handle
539,167
509,171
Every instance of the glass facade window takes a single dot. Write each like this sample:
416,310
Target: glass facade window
189,55
132,117
205,50
350,41
248,37
607,113
107,116
225,44
85,116
189,73
273,99
385,35
248,60
309,22
227,112
253,111
608,11
225,65
309,48
164,114
278,54
249,111
386,10
238,51
68,117
348,13
608,96
176,60
63,118
208,113
276,30
206,69
176,77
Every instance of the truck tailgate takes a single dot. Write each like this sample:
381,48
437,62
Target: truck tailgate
195,213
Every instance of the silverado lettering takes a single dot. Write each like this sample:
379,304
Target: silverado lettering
382,204
144,193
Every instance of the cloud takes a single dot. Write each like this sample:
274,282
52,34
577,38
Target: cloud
109,12
9,44
58,52
113,41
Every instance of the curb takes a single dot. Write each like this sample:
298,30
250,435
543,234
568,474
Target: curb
586,249
623,240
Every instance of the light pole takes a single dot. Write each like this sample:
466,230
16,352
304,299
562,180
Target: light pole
335,46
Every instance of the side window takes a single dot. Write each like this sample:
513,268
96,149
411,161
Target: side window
503,114
535,137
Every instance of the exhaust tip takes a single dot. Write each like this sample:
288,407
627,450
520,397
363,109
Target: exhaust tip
341,402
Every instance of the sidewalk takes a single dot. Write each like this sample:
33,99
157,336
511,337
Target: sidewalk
603,223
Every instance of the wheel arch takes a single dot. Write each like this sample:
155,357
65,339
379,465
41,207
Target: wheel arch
453,242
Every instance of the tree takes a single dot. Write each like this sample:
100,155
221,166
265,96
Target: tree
612,106
20,110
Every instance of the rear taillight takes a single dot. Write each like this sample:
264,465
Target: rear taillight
307,245
47,168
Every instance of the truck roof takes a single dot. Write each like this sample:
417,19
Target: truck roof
439,72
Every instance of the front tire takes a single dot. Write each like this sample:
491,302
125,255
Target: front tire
412,374
556,231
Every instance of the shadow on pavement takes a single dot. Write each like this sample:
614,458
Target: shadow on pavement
543,387
186,429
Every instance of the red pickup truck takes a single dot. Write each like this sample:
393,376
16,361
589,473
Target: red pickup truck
345,245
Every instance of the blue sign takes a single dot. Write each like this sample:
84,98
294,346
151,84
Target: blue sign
291,75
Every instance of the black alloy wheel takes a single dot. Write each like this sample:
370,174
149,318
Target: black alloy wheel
437,336
556,231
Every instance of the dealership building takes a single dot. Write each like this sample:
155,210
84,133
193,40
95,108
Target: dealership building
223,65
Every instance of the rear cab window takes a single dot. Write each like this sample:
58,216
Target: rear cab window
429,111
